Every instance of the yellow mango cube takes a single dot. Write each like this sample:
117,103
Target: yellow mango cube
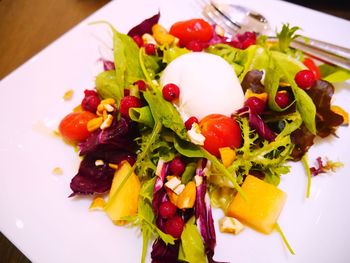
126,201
262,207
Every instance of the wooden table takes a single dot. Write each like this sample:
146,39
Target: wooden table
26,27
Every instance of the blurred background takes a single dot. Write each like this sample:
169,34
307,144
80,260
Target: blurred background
26,27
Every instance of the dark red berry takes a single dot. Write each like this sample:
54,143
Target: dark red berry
282,99
128,102
141,85
90,92
174,226
150,49
255,104
177,166
167,209
171,92
138,40
90,101
305,78
190,121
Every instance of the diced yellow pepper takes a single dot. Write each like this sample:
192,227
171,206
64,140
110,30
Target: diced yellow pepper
262,207
228,155
187,197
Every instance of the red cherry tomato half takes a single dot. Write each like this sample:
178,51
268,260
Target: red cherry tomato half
310,64
220,131
73,127
192,30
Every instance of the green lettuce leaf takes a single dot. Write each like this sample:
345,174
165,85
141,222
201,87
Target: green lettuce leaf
334,74
191,247
164,112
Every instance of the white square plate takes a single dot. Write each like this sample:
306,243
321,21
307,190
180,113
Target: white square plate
40,219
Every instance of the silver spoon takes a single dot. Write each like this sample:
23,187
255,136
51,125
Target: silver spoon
237,19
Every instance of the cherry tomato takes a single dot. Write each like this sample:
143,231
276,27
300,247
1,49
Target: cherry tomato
192,30
310,64
220,131
73,127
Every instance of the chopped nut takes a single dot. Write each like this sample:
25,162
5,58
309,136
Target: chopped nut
107,122
57,171
148,39
178,190
195,135
94,124
68,94
173,183
198,180
100,108
113,166
109,107
219,31
99,162
97,204
109,101
230,225
161,35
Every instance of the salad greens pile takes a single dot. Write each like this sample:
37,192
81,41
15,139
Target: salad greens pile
154,134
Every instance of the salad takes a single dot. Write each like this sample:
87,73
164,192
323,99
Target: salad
160,148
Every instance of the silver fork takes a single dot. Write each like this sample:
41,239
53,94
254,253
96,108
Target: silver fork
236,19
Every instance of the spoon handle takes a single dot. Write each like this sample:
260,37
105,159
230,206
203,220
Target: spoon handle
328,47
324,54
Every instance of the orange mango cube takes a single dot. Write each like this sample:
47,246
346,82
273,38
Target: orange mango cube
126,201
262,207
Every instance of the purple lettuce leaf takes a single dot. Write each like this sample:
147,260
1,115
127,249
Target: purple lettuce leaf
97,179
327,121
119,136
257,123
162,253
145,26
203,213
252,81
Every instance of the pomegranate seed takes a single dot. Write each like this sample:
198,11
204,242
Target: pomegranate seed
282,99
190,121
177,166
90,101
167,209
171,92
141,85
174,226
305,78
138,40
150,49
128,102
255,104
